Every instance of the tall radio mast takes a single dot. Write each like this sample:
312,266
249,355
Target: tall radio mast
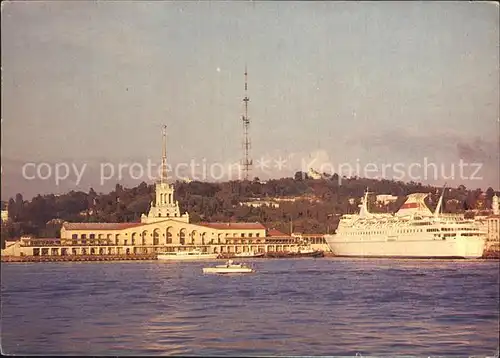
247,162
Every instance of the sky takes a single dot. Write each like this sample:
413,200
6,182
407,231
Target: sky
333,86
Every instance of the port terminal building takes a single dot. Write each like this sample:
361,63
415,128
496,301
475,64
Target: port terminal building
163,229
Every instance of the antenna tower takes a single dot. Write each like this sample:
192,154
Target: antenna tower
247,162
498,121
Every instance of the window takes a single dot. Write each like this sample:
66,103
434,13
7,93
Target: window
250,235
242,235
257,234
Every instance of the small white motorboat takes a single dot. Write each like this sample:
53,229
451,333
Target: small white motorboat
229,267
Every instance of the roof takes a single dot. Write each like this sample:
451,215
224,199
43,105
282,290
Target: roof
234,226
99,226
274,232
44,239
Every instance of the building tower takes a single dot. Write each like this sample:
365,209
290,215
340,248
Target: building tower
495,205
164,207
247,162
5,213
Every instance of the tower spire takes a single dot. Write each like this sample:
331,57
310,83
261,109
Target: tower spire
163,178
247,162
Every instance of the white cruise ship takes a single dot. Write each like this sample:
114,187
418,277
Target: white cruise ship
412,232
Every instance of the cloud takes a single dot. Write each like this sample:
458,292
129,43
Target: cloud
455,145
478,150
437,145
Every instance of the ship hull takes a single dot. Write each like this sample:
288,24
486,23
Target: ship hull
307,254
162,257
242,256
463,248
226,271
409,257
295,254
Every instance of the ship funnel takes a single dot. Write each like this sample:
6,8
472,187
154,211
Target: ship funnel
415,204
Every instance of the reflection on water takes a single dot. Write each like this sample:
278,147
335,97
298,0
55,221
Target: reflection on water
289,307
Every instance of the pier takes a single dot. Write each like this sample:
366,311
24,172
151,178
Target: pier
492,252
79,258
489,254
96,248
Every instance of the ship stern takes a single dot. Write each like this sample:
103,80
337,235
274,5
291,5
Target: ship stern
472,247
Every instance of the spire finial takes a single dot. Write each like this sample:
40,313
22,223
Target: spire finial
163,178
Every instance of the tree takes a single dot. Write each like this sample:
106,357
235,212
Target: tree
19,205
12,209
19,199
489,196
220,202
299,176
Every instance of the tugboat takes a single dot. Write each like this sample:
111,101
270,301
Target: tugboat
307,252
228,268
246,254
303,251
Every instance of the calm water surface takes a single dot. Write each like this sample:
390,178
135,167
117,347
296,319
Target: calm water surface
289,307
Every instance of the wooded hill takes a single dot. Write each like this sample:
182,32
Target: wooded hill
316,209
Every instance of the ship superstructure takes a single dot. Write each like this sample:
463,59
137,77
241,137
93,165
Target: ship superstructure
414,231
